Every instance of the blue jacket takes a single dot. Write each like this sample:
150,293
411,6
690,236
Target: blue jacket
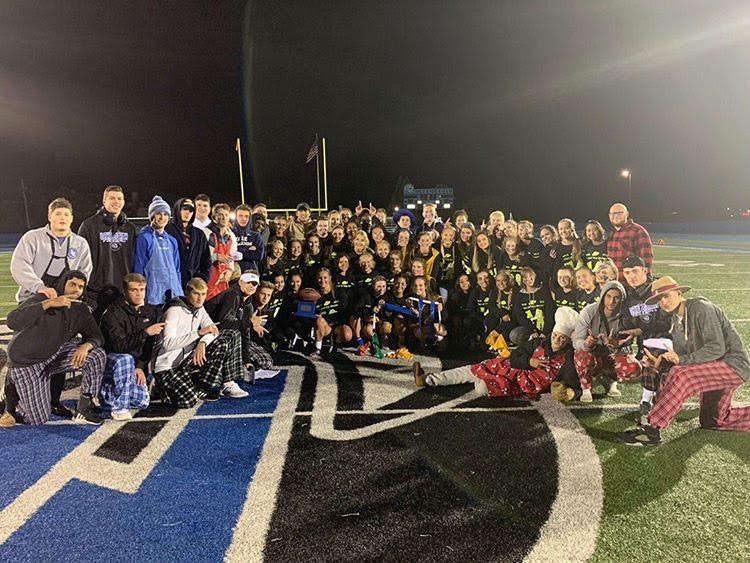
160,283
250,244
195,262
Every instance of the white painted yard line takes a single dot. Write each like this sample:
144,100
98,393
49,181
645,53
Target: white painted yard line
721,289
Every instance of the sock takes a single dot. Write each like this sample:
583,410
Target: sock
360,342
318,345
647,396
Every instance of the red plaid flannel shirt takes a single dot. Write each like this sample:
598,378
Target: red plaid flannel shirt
631,240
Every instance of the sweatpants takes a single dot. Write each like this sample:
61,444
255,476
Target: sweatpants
457,376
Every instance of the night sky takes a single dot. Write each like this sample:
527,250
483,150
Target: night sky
530,106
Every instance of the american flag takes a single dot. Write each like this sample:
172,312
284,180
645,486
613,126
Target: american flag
313,152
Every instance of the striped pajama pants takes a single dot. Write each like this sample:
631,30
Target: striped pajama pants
32,382
715,382
119,388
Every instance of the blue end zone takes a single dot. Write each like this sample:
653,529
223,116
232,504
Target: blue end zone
185,510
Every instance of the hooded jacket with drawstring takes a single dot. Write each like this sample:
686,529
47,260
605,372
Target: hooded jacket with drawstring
38,334
195,262
592,318
180,335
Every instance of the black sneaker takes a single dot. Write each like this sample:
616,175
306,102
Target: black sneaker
87,417
62,410
645,410
208,396
645,436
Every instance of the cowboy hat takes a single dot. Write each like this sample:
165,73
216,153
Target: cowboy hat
661,286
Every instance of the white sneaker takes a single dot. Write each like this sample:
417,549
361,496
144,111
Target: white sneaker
586,396
613,391
266,373
232,390
121,415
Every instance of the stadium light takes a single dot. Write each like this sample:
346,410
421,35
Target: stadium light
395,208
625,173
410,206
419,202
446,206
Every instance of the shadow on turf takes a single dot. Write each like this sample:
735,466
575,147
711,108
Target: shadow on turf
644,474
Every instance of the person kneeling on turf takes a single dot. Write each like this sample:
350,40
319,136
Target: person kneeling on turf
193,359
45,343
708,360
529,371
130,327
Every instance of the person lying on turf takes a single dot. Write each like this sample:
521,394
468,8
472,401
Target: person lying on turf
130,327
529,371
708,360
45,342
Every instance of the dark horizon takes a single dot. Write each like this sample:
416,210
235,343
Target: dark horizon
533,107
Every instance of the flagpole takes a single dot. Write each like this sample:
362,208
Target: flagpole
325,176
238,148
317,169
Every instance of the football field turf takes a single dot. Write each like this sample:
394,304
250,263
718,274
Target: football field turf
343,460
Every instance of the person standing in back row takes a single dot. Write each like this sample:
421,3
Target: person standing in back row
627,238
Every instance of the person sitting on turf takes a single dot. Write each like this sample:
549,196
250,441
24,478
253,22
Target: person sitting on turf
267,307
366,310
427,322
192,359
392,324
533,309
477,310
600,346
233,309
708,359
499,321
332,311
130,327
529,371
45,342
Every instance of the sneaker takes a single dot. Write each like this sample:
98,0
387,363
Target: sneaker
644,437
62,410
7,420
233,391
266,373
87,417
561,392
207,396
419,375
364,350
612,390
121,415
645,410
586,396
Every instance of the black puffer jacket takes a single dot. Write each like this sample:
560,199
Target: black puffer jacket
124,329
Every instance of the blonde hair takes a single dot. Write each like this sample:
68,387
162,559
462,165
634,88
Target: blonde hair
196,284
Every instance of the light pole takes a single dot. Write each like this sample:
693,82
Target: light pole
625,173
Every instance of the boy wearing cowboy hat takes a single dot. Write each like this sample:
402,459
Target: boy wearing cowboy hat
709,360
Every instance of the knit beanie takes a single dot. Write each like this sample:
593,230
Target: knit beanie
158,205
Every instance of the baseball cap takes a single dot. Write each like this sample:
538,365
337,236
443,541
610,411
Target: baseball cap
633,262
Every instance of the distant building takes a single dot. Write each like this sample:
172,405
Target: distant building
415,198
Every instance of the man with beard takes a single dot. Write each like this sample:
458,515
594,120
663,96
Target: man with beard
111,237
46,342
627,238
708,359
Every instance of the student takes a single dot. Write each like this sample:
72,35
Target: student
430,221
567,252
529,370
339,244
477,310
261,211
130,327
332,311
195,256
465,247
588,291
324,235
343,279
365,274
483,256
566,294
202,212
417,268
266,332
222,243
499,320
404,220
44,255
594,248
600,348
533,309
393,324
460,216
395,266
294,259
382,256
157,256
365,312
45,342
427,323
193,360
530,245
549,237
457,307
403,243
446,249
232,309
708,359
427,254
360,246
312,261
280,227
511,260
273,263
249,240
301,225
604,272
111,238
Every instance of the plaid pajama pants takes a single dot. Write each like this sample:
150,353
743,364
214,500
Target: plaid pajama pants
254,353
622,367
179,386
715,382
120,389
32,382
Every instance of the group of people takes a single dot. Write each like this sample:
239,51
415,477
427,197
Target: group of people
205,296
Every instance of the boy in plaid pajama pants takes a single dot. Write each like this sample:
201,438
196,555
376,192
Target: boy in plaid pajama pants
709,360
45,343
193,359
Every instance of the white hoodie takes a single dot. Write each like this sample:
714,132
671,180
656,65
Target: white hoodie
180,335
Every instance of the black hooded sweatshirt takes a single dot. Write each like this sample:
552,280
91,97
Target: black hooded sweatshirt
111,244
39,333
124,326
195,256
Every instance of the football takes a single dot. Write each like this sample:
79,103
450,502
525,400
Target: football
309,294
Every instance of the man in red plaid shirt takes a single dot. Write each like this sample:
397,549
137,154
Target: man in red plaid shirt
627,238
707,359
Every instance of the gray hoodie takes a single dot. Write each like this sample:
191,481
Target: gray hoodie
592,318
34,252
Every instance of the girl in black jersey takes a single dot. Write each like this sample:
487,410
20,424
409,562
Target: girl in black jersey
588,291
331,312
594,249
